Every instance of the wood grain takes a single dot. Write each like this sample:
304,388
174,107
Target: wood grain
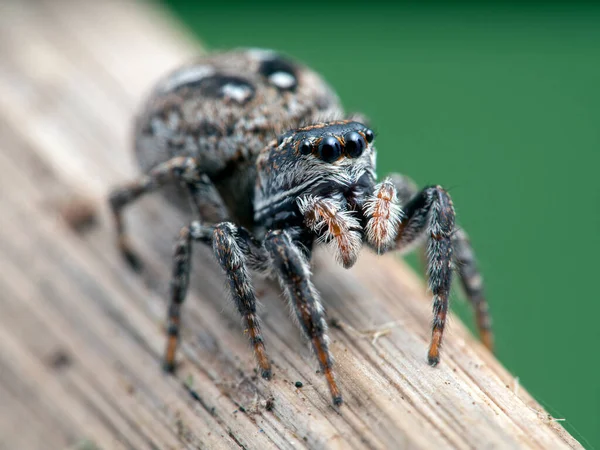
81,336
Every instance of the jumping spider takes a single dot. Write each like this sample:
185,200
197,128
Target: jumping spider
242,135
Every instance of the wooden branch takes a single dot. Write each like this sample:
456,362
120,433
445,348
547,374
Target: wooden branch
81,336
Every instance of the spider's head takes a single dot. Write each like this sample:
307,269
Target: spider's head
330,159
339,143
336,154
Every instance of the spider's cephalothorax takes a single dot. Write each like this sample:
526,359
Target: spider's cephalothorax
228,129
312,173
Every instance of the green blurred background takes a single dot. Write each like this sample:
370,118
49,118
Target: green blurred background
500,103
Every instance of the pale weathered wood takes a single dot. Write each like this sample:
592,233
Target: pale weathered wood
81,336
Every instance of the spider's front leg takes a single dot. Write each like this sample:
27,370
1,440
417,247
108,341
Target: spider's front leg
428,214
329,220
384,215
293,271
233,248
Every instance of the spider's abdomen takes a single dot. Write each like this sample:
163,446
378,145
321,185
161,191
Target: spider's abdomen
223,109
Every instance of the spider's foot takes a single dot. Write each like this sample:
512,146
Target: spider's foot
433,357
487,338
337,400
261,355
169,364
169,367
433,360
130,256
134,262
336,396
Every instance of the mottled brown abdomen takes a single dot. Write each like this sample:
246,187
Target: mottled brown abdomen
222,110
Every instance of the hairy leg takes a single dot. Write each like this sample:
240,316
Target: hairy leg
465,264
231,257
207,203
472,282
406,188
227,242
179,284
205,197
333,224
293,271
383,216
431,214
412,231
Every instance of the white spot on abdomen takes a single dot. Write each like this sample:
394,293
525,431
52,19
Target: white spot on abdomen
283,80
238,92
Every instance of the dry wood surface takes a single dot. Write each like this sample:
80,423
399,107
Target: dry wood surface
81,336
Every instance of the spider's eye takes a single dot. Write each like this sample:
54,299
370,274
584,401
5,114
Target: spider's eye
279,140
355,144
369,135
305,147
330,149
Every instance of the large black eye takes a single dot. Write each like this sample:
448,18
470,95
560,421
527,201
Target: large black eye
305,147
330,149
369,135
355,144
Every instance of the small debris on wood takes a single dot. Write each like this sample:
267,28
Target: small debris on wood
546,417
270,404
298,384
188,385
335,323
60,360
373,334
79,213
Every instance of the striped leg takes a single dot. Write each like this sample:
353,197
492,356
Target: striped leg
179,285
204,195
463,255
206,200
406,188
383,216
335,225
230,248
472,283
431,214
293,271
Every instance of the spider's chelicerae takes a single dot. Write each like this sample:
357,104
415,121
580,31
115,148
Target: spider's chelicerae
255,141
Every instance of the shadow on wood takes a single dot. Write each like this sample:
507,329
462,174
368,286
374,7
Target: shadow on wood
81,337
